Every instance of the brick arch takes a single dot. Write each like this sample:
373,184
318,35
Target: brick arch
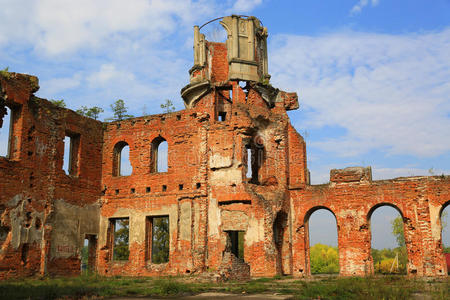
369,216
306,217
316,208
445,266
444,206
378,205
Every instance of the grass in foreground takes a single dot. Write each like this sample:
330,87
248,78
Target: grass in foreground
388,287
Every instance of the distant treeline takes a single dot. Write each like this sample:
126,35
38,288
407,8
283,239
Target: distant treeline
325,260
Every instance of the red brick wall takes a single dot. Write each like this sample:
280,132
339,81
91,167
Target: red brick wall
419,200
32,177
47,214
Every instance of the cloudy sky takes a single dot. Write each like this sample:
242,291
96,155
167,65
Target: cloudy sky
373,76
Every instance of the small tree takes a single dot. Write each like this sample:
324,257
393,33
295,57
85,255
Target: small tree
397,228
160,240
5,73
121,240
168,106
397,231
120,111
92,112
59,103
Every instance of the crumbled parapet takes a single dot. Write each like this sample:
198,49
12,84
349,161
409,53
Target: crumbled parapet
351,174
290,100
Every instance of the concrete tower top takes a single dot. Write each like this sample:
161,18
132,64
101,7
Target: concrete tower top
243,57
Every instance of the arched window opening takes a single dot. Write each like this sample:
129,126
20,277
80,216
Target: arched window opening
5,133
121,164
160,150
388,241
323,242
445,220
215,32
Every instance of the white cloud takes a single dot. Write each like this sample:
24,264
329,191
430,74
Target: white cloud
54,86
241,6
384,173
61,26
357,8
387,92
108,75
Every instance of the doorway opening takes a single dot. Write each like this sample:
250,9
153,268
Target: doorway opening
88,254
235,243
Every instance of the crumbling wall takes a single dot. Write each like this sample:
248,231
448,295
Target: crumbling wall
33,181
237,178
179,193
352,197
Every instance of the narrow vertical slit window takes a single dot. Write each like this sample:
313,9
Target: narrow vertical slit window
254,156
66,157
249,161
157,239
71,151
5,133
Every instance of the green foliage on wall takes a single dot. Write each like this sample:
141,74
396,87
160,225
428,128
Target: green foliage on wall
119,110
59,103
90,112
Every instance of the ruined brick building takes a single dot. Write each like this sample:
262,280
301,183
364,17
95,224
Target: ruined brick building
236,185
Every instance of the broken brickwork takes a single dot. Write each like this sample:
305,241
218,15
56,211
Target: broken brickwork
235,199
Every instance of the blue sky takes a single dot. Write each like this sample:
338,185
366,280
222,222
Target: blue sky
373,76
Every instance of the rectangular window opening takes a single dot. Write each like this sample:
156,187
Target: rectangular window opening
148,189
223,105
254,160
119,238
157,239
235,243
70,158
249,162
164,188
6,133
222,116
180,187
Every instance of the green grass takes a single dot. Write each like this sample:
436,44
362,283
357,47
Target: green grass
383,287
